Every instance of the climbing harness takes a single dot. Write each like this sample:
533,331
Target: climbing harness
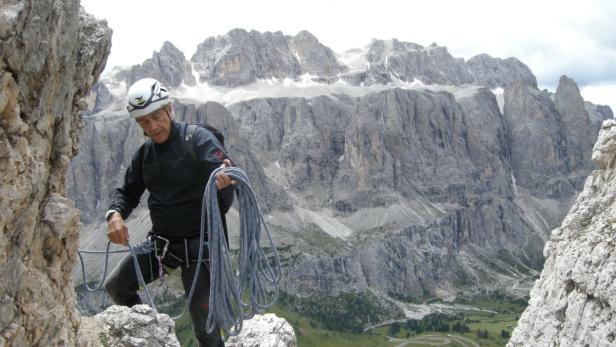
159,257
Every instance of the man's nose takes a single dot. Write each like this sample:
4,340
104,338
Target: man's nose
148,127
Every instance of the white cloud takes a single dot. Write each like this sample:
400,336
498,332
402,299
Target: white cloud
601,94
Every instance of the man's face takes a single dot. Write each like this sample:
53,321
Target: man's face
156,125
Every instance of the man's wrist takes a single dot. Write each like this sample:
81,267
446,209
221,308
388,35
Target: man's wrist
109,214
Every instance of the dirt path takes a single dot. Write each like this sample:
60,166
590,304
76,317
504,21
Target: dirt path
436,340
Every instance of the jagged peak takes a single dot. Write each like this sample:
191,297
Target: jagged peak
393,45
485,57
237,32
567,86
168,46
482,57
566,80
306,35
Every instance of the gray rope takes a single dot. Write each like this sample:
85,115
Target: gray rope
253,274
137,270
106,252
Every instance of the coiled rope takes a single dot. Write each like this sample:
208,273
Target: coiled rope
254,274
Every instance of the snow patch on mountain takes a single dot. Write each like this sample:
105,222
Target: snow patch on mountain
500,98
355,59
306,86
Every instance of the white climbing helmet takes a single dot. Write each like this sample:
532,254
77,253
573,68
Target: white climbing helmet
146,96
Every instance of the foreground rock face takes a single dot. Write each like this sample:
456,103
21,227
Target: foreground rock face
123,326
574,301
266,330
141,326
51,53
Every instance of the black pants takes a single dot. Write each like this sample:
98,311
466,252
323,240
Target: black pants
122,284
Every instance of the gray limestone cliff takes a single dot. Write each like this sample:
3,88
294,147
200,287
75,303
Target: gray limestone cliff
51,54
495,72
535,124
389,60
242,57
574,301
169,66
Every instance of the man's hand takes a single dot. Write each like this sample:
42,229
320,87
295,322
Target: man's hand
116,230
223,180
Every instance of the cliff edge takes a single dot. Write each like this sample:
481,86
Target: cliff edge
574,301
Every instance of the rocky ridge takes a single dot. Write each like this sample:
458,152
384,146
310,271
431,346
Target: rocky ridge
239,58
572,303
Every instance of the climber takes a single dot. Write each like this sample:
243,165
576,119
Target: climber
175,179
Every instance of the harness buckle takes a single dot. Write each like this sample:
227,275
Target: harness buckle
153,239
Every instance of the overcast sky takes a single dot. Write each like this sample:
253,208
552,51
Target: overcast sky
554,38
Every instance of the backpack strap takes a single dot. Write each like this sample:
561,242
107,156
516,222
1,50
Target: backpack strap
189,133
144,152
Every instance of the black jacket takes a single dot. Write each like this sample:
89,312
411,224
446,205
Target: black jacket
175,181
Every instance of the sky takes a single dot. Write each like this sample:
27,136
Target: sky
554,38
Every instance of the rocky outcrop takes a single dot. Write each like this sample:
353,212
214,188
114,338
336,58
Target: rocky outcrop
306,136
169,66
123,326
538,137
574,301
266,330
393,60
100,98
597,114
496,72
242,57
313,57
51,54
580,134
